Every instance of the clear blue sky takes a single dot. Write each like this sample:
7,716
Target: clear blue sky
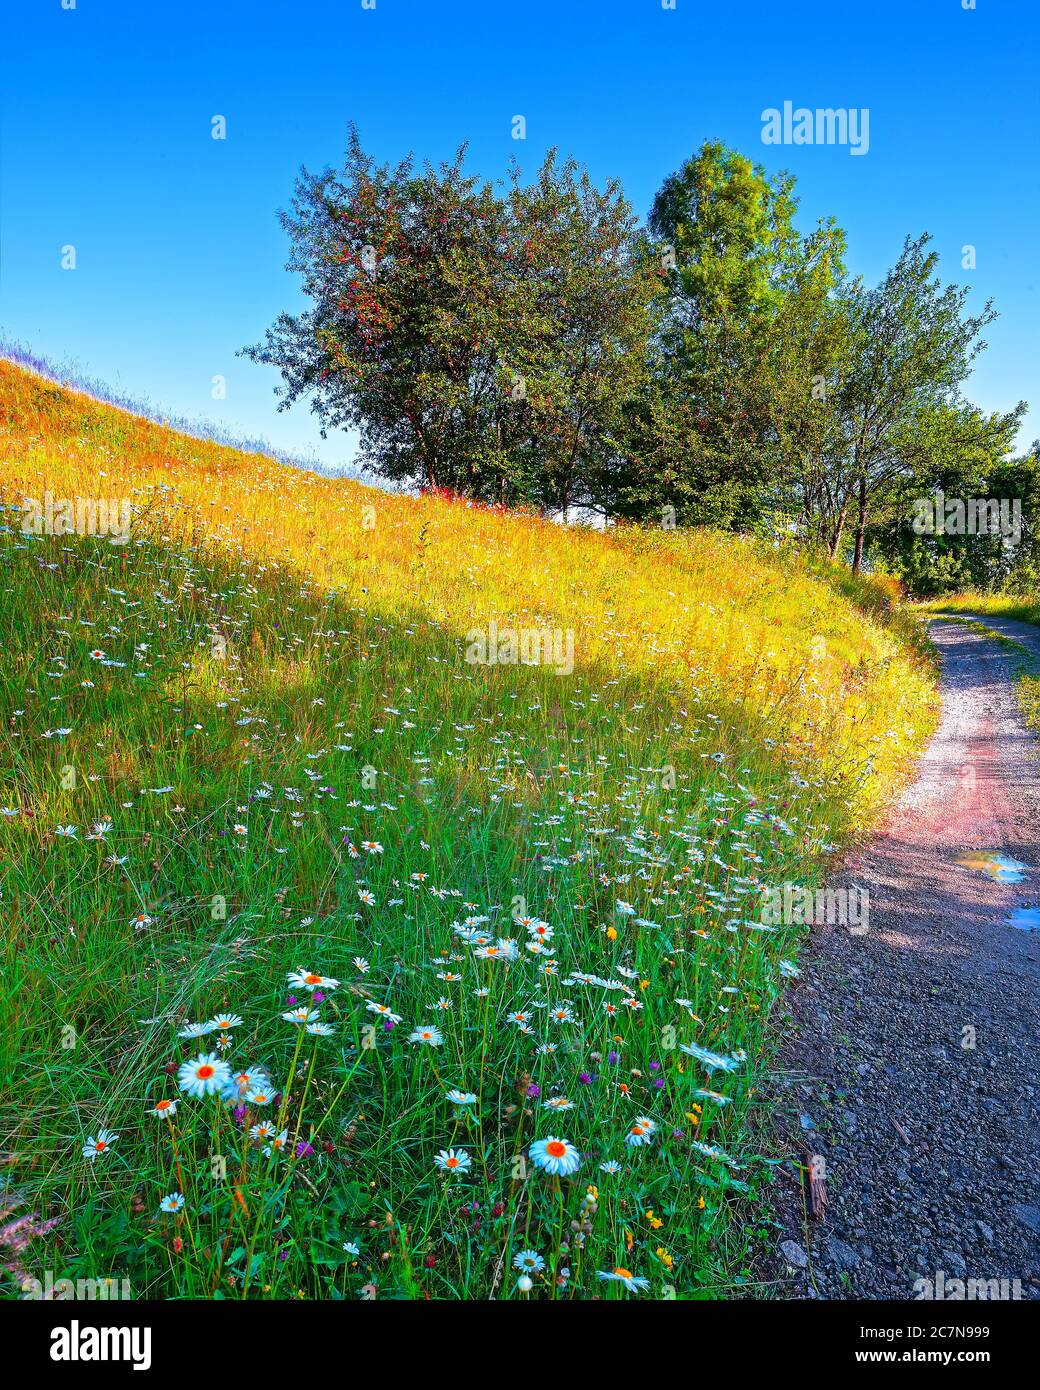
106,120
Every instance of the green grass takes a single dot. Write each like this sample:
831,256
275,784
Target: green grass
259,719
1017,606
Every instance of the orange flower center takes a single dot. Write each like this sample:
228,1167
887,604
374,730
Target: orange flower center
623,1273
205,1072
555,1149
312,979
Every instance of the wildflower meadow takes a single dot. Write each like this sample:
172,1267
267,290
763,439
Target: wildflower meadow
340,964
519,677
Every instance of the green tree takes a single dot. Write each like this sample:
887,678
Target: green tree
902,415
480,343
587,298
945,558
406,277
730,395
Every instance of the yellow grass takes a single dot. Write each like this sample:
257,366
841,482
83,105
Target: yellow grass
683,610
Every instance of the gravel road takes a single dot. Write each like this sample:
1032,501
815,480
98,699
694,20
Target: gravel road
914,1069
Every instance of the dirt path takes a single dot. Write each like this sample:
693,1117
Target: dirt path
931,1145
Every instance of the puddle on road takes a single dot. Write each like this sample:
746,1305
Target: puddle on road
1003,869
1025,918
995,865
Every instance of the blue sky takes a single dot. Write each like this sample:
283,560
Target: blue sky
106,126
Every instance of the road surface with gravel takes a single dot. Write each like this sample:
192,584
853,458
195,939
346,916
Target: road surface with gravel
913,1071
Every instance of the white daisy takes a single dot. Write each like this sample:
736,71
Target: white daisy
205,1075
632,1282
311,980
301,1015
101,1145
453,1160
641,1131
556,1156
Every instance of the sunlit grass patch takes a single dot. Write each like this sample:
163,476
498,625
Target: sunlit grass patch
248,742
1018,606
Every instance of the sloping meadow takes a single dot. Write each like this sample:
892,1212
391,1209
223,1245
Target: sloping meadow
382,877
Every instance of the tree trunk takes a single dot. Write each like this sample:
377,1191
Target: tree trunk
839,529
861,526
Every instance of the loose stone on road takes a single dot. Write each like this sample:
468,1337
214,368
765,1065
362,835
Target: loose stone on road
913,1070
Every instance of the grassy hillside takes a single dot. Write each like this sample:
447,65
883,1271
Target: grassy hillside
249,742
1018,606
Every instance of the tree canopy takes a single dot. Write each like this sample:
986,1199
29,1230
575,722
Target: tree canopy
480,342
529,343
